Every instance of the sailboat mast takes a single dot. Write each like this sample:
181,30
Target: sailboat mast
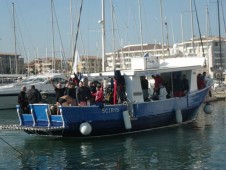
28,67
192,27
141,36
207,21
219,29
113,33
161,14
72,34
103,35
182,30
14,29
53,40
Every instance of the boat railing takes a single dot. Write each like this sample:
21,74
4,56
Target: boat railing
39,116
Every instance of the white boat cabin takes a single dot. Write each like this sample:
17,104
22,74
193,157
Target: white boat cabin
166,68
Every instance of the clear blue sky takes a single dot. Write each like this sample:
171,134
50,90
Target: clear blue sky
34,31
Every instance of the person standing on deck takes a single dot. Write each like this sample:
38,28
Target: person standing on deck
144,86
83,94
33,95
200,82
158,80
99,96
58,89
22,100
162,92
177,86
71,91
185,85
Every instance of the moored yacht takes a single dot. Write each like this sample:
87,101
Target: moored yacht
9,93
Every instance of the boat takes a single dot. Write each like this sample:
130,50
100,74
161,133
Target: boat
9,93
130,116
132,113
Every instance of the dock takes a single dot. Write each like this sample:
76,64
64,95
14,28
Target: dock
216,96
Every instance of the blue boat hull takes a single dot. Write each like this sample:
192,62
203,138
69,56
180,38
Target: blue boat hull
110,120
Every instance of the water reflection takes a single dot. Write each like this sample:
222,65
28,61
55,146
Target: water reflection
195,146
175,148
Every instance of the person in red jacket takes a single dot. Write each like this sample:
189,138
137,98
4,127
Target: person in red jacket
200,81
99,95
158,80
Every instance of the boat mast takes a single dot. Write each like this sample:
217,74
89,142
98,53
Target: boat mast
223,16
53,41
207,21
182,31
102,22
192,27
14,29
207,35
113,33
72,33
141,36
28,60
219,29
161,14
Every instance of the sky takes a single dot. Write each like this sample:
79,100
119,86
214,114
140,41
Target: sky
36,31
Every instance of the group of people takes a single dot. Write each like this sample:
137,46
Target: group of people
83,93
30,97
78,94
74,93
204,81
159,91
179,87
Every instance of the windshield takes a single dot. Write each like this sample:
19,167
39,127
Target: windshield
34,80
27,80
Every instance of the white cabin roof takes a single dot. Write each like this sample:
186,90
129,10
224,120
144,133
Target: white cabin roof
165,65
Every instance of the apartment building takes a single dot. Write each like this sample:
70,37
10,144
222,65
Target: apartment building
213,48
121,59
11,63
43,65
209,47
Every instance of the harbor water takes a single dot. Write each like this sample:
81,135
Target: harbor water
199,145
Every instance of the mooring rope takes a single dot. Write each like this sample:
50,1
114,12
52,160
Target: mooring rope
11,146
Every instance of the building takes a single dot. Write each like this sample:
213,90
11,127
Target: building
43,65
90,64
87,64
11,63
121,59
209,48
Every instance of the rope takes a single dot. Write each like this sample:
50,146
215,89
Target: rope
199,31
11,146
